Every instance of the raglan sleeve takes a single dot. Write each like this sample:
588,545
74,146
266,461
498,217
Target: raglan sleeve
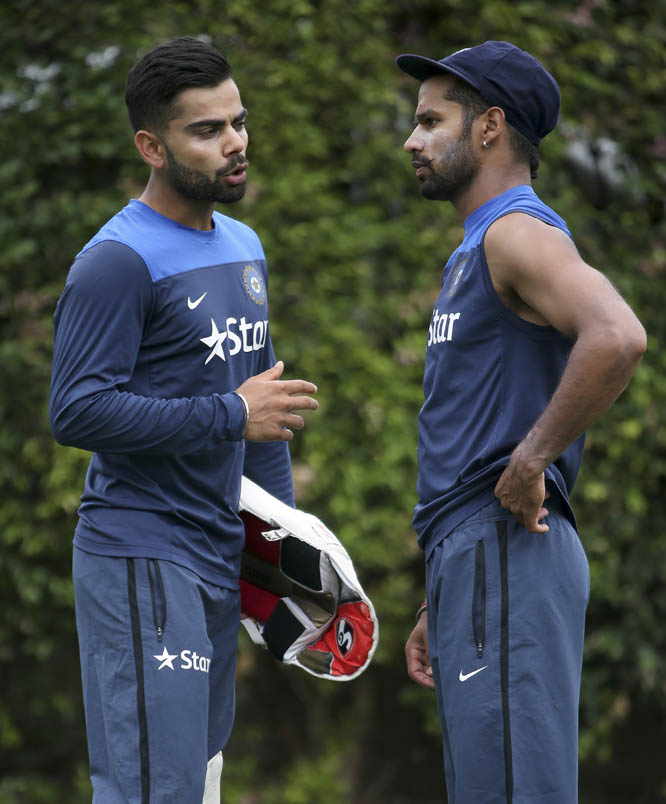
98,327
268,463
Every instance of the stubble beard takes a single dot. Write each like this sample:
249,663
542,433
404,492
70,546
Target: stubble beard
195,185
461,167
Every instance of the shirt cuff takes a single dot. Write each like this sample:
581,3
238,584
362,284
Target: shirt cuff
236,416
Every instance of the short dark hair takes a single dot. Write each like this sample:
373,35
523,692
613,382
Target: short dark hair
156,80
474,104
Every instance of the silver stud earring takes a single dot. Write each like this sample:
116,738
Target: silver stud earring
485,144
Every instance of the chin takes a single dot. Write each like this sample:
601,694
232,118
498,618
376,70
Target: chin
430,192
231,194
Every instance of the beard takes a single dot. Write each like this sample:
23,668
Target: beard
455,171
196,185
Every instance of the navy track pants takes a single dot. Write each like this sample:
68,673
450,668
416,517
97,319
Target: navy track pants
158,652
506,614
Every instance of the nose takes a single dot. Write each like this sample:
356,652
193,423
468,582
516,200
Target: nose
235,141
412,143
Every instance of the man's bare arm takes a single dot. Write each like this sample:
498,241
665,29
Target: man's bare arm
538,273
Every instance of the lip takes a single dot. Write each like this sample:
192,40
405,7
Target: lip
420,170
237,176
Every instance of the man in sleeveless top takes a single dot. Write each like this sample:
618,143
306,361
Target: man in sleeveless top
527,346
164,369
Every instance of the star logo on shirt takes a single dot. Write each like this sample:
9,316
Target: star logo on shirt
214,341
166,658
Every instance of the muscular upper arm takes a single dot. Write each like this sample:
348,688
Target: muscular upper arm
538,273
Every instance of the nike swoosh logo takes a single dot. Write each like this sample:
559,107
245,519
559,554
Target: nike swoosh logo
464,677
194,304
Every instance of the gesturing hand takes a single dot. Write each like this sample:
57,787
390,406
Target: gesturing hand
272,402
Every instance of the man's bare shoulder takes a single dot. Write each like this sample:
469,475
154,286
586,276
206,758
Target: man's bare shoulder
519,246
518,232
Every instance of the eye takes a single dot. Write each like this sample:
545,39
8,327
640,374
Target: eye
240,125
207,133
427,122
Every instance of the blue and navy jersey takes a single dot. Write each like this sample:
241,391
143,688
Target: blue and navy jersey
489,374
157,325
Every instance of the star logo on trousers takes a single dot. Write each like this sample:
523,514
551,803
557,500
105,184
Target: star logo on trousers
215,341
166,658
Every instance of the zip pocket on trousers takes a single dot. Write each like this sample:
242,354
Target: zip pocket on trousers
479,599
159,617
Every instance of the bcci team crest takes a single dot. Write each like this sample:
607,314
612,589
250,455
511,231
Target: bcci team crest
457,274
254,284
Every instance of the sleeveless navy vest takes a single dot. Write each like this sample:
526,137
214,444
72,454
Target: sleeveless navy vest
489,374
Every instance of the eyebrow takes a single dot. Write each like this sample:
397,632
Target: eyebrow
216,122
425,114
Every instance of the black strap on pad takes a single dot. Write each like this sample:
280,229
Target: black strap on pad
282,629
300,562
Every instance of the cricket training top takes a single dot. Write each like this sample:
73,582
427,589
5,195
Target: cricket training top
157,325
489,374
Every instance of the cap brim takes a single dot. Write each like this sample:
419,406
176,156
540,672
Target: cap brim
420,67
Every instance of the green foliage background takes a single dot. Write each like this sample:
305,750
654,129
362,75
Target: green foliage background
355,256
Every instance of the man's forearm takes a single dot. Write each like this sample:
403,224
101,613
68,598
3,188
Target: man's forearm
121,422
597,372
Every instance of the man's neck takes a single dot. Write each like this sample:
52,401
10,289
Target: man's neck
488,185
166,201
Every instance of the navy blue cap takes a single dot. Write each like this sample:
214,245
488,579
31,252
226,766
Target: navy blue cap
505,76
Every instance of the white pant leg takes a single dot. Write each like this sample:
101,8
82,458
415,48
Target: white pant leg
213,780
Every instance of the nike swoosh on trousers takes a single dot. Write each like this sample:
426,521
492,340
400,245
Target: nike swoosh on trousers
464,677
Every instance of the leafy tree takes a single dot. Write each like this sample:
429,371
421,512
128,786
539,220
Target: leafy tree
355,256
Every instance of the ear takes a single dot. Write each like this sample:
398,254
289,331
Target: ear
151,148
493,123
